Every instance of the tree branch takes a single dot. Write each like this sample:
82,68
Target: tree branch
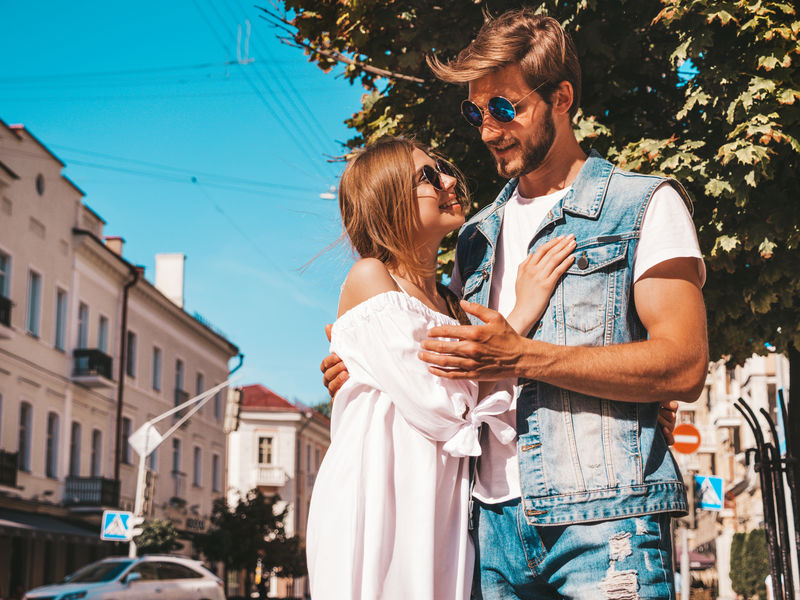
328,52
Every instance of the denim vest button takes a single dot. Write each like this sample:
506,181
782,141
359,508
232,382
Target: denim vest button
583,262
485,275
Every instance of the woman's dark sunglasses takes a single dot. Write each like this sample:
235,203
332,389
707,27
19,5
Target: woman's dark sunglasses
432,174
501,109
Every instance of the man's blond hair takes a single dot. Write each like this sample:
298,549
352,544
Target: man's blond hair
537,43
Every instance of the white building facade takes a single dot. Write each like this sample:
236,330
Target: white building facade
277,448
725,437
90,350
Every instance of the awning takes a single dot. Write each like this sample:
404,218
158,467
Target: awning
17,522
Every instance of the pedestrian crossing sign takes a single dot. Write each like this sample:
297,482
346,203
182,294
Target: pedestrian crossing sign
710,492
117,526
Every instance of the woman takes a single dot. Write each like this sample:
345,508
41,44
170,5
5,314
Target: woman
388,515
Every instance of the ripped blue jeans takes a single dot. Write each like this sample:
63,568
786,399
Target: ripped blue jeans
621,559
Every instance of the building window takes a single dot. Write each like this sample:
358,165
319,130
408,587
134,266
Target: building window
130,354
51,448
179,374
24,447
61,319
83,325
176,456
686,416
218,405
75,450
102,334
215,473
40,184
316,459
97,453
153,461
1,419
5,274
126,447
308,458
199,386
34,303
197,471
157,369
265,450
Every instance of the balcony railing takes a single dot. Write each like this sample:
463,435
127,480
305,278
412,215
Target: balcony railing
179,488
270,476
8,468
5,310
91,491
92,367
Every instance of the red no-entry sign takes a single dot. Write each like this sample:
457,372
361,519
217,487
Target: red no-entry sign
687,438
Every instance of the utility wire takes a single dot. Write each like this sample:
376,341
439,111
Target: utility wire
174,174
298,139
286,277
300,107
140,71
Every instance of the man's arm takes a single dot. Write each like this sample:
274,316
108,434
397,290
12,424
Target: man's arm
670,365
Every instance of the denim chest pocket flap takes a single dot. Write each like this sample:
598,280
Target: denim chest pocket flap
586,294
598,253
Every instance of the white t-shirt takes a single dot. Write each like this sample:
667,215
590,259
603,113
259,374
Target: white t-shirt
667,232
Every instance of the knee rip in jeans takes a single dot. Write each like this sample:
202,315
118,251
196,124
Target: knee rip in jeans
620,585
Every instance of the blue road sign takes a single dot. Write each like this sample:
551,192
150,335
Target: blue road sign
116,526
710,492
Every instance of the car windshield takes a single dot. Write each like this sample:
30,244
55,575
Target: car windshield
99,571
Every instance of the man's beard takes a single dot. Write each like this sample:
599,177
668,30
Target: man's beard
533,153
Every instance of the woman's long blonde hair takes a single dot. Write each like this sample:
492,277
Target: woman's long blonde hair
378,205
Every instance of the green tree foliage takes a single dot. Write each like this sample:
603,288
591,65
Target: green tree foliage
252,529
737,562
749,563
730,134
157,537
324,408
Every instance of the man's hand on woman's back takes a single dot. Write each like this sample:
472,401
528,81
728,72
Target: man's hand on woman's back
334,373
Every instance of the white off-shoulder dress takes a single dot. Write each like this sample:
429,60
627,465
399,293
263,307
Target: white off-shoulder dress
388,516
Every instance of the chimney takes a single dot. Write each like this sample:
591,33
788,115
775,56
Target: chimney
115,244
169,276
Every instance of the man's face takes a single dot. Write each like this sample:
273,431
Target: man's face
519,146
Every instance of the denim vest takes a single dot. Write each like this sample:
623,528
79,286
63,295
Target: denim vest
583,458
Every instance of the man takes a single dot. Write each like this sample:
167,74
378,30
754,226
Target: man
580,505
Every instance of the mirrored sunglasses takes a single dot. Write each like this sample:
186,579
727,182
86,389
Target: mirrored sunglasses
501,109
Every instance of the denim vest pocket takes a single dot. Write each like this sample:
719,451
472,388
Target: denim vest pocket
585,291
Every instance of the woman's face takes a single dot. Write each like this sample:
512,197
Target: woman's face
440,211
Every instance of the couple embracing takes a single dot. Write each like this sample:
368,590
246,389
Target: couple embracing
506,437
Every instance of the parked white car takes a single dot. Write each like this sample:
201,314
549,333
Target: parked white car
147,577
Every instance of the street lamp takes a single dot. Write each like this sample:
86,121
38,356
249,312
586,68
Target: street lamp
147,438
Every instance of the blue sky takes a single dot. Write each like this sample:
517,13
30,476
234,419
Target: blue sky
178,153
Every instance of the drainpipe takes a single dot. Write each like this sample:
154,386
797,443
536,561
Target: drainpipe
308,414
123,346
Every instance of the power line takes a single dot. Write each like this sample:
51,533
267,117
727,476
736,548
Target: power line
286,277
272,64
305,115
298,139
117,72
175,174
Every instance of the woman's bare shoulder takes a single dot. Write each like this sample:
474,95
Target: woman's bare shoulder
368,277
